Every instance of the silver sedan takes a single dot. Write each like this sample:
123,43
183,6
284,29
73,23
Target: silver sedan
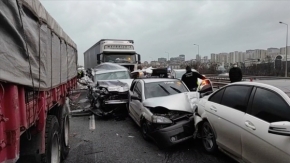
249,121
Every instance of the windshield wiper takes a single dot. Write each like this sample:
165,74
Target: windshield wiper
177,90
164,89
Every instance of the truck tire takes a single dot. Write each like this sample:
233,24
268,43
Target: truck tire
65,130
64,122
52,141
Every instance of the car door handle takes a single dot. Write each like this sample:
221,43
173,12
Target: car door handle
250,125
213,108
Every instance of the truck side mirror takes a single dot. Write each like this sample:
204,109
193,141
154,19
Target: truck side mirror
99,58
139,59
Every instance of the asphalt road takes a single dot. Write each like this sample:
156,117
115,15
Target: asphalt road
96,140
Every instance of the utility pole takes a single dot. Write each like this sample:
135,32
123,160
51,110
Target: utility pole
286,67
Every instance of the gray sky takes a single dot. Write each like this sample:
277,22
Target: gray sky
174,26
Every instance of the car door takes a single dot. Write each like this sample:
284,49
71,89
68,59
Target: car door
259,146
136,105
226,113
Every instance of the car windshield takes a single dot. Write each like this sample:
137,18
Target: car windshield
112,75
164,88
120,58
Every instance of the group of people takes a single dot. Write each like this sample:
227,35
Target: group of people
190,77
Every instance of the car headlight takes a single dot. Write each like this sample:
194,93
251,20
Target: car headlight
113,88
120,89
104,90
160,119
123,89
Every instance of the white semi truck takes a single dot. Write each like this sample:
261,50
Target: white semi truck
121,52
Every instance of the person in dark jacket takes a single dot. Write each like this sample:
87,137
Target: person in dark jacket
190,79
235,74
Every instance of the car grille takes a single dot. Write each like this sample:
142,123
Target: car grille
118,96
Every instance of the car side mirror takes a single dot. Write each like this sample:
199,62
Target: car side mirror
135,97
205,87
280,128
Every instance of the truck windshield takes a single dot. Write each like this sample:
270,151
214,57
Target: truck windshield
119,58
112,75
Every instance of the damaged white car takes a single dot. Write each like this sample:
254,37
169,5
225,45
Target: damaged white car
163,108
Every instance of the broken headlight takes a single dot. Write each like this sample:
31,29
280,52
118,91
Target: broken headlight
160,119
104,90
119,89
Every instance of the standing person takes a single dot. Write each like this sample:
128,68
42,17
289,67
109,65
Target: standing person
190,79
235,74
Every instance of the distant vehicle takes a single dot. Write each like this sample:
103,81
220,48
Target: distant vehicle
121,52
250,121
110,88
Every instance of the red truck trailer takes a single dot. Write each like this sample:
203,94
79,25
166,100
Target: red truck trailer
38,69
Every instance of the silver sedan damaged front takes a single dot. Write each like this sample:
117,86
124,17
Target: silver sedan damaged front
169,120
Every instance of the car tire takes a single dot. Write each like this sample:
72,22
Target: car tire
144,130
208,138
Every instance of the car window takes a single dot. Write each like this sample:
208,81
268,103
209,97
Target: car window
164,88
138,89
270,106
236,97
217,97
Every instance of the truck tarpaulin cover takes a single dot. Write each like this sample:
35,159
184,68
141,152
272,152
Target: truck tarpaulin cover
34,50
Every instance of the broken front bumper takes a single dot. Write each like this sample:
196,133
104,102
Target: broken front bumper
177,133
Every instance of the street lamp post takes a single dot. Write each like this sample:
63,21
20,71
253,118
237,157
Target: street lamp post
286,71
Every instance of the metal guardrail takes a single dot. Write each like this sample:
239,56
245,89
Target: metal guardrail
219,82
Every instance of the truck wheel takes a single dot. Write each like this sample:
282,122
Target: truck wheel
52,141
64,122
65,133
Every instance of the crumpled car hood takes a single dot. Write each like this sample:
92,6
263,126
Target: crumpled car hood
178,102
126,83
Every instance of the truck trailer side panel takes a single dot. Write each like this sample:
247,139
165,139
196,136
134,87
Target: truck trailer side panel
91,56
27,30
38,69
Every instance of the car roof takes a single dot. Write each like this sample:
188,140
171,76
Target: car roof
275,85
153,80
107,71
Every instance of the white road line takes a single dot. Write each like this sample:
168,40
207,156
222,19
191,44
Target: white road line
92,124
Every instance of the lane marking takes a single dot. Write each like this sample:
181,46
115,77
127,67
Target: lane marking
92,124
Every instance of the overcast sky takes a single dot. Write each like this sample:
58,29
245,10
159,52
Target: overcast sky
174,26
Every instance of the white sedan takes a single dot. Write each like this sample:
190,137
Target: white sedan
250,121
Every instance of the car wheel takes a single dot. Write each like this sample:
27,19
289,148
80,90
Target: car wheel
208,138
144,130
